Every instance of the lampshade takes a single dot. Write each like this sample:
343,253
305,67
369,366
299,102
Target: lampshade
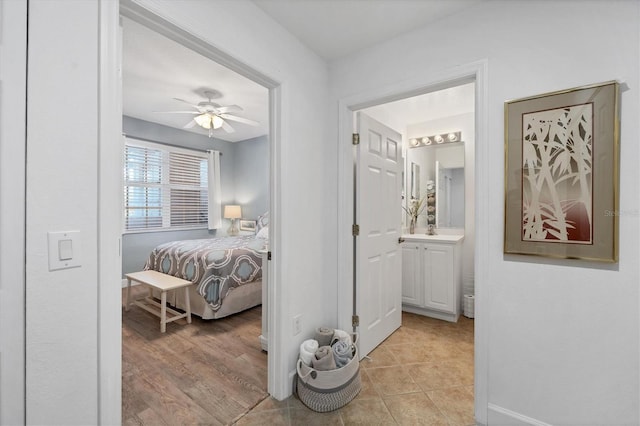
232,212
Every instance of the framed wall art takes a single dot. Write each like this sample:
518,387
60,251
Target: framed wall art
247,225
561,174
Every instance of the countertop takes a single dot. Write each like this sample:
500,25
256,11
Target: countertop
450,239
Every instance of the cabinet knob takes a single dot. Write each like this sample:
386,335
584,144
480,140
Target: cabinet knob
400,240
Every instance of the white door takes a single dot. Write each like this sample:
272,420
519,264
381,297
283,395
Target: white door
378,214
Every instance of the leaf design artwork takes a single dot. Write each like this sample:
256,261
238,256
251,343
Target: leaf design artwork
557,174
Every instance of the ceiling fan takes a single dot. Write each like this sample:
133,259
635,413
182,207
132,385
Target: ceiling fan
212,116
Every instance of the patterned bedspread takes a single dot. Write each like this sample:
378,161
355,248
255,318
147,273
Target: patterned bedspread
215,265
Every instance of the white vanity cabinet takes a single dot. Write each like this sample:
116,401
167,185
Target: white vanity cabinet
432,275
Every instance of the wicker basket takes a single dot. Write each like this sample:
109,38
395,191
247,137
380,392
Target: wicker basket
324,391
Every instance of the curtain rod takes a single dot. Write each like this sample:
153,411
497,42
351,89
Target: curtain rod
168,144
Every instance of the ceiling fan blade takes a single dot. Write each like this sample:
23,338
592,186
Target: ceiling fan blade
176,112
239,119
186,102
229,108
189,124
227,127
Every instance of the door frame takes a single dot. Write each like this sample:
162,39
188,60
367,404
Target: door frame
475,71
13,144
109,303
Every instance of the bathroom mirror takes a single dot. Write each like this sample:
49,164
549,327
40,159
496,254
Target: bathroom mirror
443,164
415,181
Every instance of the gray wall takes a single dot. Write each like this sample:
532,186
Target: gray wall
244,180
251,176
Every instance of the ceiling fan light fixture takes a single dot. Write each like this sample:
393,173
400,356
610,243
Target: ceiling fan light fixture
203,120
208,121
217,122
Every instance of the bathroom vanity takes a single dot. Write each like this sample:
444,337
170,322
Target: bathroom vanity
432,275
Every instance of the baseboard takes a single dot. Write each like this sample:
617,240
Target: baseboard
502,416
264,343
431,313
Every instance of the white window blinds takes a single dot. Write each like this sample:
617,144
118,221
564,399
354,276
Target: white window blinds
164,187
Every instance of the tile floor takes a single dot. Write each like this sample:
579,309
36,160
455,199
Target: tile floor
421,375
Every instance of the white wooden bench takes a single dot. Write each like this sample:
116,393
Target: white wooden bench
163,283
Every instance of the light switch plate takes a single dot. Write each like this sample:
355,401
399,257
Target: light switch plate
64,250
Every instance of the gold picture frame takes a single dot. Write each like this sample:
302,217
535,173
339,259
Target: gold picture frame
561,173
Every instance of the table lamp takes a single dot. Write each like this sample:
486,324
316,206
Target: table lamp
232,212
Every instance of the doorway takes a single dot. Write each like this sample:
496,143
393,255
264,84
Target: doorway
474,72
432,352
164,28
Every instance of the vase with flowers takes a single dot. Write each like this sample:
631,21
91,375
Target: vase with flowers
416,208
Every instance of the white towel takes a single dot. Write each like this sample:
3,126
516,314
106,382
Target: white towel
308,350
341,336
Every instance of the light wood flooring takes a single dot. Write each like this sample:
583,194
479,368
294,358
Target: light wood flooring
214,372
207,373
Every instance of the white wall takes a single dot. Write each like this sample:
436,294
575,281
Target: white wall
62,174
62,181
562,336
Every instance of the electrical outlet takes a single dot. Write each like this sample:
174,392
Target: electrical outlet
297,324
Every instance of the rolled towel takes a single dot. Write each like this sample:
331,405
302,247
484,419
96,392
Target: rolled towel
342,353
308,349
324,335
323,360
341,336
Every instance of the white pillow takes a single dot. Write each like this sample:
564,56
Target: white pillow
263,220
263,233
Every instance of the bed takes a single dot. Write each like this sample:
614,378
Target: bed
226,271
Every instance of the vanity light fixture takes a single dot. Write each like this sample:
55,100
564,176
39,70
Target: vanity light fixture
441,139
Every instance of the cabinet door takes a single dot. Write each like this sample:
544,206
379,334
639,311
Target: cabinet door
438,277
411,282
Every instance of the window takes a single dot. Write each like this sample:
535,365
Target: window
164,187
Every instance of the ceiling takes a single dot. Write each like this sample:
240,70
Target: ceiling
430,106
337,28
156,69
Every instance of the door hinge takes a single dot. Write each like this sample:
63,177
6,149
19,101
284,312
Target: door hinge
355,140
355,230
268,255
355,321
